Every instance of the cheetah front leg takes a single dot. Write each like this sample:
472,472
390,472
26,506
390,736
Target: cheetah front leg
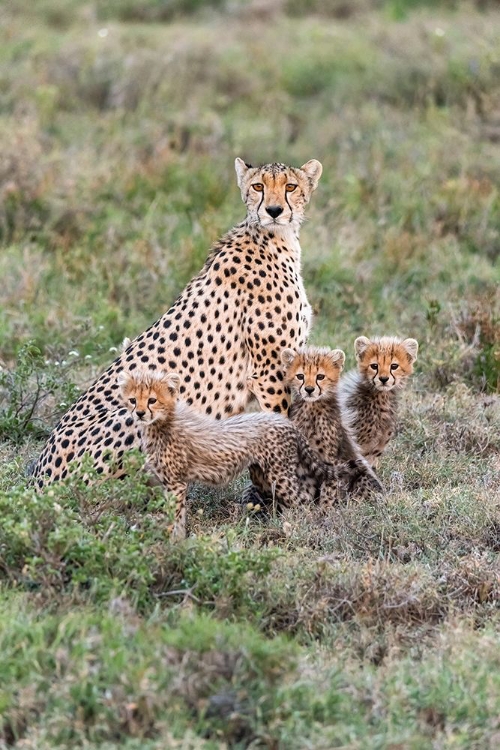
281,473
179,489
287,491
271,395
266,385
329,494
258,492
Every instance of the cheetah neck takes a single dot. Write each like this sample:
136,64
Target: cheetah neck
157,431
325,401
326,406
359,400
283,240
384,402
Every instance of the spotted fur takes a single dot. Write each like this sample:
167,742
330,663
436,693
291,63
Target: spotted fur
183,446
369,397
226,328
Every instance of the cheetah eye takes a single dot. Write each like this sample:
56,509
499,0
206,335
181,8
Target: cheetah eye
133,401
394,366
151,401
290,187
258,186
374,367
300,376
320,377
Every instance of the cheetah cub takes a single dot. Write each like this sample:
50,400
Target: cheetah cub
183,446
369,397
313,374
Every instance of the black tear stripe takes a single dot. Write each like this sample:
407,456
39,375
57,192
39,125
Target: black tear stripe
289,206
261,200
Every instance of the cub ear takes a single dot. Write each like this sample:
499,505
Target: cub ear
361,345
124,379
313,169
337,356
411,348
287,357
172,380
241,170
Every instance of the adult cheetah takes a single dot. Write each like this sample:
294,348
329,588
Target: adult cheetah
224,331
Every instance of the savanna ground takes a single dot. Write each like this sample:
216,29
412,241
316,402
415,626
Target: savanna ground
378,625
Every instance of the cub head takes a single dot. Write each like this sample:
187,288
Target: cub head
276,195
311,372
149,394
385,362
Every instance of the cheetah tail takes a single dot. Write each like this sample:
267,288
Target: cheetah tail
324,471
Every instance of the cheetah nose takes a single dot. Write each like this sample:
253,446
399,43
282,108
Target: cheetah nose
140,414
309,389
384,379
274,211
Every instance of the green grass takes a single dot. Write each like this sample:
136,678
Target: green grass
376,625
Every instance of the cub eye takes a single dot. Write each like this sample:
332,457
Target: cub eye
300,376
320,377
374,367
133,400
290,187
258,186
394,366
151,401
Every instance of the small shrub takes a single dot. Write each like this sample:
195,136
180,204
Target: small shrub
113,535
25,389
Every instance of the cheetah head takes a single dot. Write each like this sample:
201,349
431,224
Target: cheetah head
312,372
276,195
387,362
149,394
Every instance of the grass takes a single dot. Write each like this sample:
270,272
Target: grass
376,625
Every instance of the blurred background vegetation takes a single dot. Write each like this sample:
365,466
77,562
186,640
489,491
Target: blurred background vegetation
120,121
119,124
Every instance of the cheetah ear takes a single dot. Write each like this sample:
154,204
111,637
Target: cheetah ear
411,348
287,357
337,356
313,169
172,380
361,345
241,170
124,379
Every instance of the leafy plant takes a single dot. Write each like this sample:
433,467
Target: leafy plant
26,389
